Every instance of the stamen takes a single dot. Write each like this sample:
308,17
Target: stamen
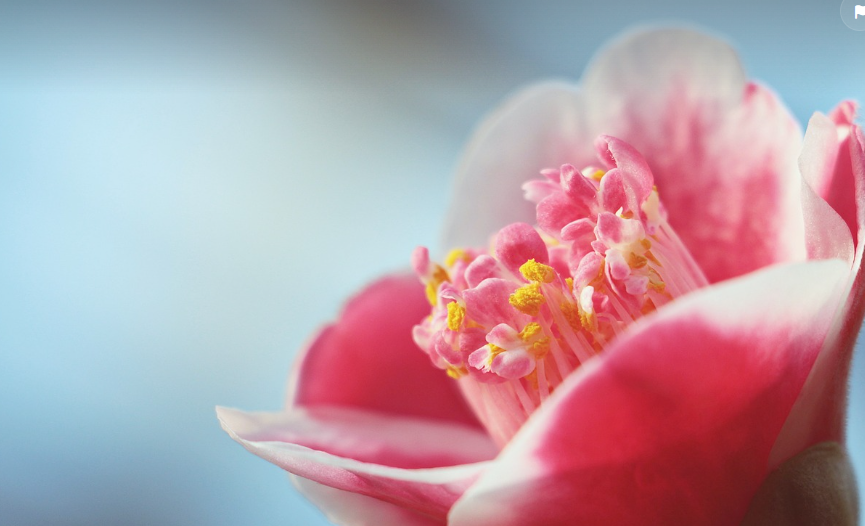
510,325
528,299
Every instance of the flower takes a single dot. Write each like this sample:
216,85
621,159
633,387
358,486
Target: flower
697,273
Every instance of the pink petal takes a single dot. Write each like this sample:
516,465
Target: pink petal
827,235
637,178
352,509
828,162
513,364
367,359
675,422
576,186
540,127
488,302
395,459
557,210
483,267
722,151
819,412
518,243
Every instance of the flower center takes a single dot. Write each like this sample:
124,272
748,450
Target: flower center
510,324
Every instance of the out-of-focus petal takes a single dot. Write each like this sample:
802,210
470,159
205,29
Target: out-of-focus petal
827,235
352,509
540,127
835,179
367,359
818,415
723,151
422,465
682,100
675,422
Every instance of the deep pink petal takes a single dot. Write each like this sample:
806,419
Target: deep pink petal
681,99
410,462
835,178
540,127
675,422
367,359
819,412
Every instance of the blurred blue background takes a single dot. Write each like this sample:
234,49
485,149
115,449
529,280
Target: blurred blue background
188,190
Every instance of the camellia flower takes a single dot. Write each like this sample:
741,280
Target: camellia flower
647,317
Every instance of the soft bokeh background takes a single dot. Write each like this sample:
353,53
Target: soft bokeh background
188,190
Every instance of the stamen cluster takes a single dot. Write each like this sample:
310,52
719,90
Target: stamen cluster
513,322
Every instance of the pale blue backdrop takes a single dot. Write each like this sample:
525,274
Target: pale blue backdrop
188,190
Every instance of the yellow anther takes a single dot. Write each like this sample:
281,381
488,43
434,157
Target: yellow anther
530,331
635,261
528,299
651,257
598,175
540,348
534,271
658,286
495,350
455,255
587,320
439,276
431,293
456,315
570,283
598,280
572,315
456,372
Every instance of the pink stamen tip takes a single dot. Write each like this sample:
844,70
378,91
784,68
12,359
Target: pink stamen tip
512,325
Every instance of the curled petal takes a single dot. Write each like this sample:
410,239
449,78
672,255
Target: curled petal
827,235
398,460
818,415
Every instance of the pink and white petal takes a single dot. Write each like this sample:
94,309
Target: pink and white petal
488,304
513,364
833,173
819,412
410,462
368,359
827,235
682,100
352,509
675,422
540,127
637,177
